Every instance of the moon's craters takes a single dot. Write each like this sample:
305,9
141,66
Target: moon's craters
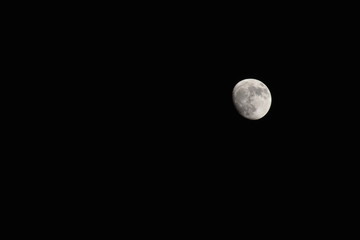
241,95
252,98
257,90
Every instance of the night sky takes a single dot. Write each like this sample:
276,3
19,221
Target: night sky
121,114
168,80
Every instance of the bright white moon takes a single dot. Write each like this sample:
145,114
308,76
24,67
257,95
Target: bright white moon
252,98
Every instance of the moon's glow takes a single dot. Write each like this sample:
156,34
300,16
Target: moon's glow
252,98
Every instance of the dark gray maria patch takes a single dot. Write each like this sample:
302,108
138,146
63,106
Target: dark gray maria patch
247,109
256,90
241,95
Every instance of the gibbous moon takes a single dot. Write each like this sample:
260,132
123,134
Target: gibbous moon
252,98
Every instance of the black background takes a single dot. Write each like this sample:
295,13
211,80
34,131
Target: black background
181,65
165,106
185,141
135,102
154,90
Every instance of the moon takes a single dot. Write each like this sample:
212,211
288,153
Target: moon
252,98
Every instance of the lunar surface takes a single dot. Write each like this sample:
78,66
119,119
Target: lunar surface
252,98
